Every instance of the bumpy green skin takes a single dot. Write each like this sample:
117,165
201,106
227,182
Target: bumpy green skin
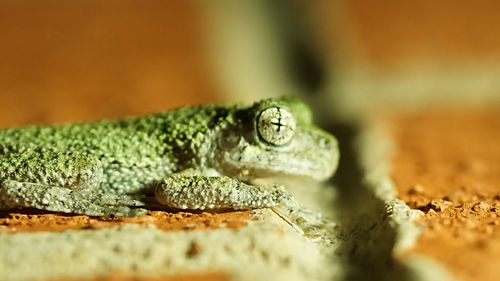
201,157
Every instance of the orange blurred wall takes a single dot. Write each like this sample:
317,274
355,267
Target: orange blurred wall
85,60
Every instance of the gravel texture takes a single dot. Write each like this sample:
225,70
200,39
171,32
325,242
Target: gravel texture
447,165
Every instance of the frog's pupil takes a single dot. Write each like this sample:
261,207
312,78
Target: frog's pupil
279,124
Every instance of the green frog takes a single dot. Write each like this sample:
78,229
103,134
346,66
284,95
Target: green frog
202,157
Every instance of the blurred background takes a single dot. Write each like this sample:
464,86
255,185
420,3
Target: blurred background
64,61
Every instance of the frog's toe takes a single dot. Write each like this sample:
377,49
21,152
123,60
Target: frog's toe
120,200
137,212
123,211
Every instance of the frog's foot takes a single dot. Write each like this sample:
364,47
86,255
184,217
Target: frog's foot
310,223
106,199
15,194
203,192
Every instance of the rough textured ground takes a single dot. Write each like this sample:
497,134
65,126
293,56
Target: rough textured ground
32,220
448,165
266,247
41,221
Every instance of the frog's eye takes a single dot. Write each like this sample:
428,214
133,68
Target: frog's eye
276,125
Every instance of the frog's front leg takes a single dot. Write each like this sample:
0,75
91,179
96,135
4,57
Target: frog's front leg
217,192
60,181
188,191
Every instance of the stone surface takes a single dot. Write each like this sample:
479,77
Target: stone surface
266,247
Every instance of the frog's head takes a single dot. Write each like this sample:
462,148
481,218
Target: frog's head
276,137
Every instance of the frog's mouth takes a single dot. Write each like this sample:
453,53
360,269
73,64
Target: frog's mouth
308,155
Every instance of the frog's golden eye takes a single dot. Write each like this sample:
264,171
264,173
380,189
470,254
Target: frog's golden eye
276,125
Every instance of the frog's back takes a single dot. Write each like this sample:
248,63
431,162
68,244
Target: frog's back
112,136
133,151
100,139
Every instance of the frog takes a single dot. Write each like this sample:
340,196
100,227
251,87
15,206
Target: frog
205,157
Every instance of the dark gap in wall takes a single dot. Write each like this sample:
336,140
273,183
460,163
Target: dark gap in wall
368,238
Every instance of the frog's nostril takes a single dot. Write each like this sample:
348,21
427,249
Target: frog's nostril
324,143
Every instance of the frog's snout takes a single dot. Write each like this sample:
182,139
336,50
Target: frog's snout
315,155
325,157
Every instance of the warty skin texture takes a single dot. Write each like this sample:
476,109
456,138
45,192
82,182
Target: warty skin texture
202,157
